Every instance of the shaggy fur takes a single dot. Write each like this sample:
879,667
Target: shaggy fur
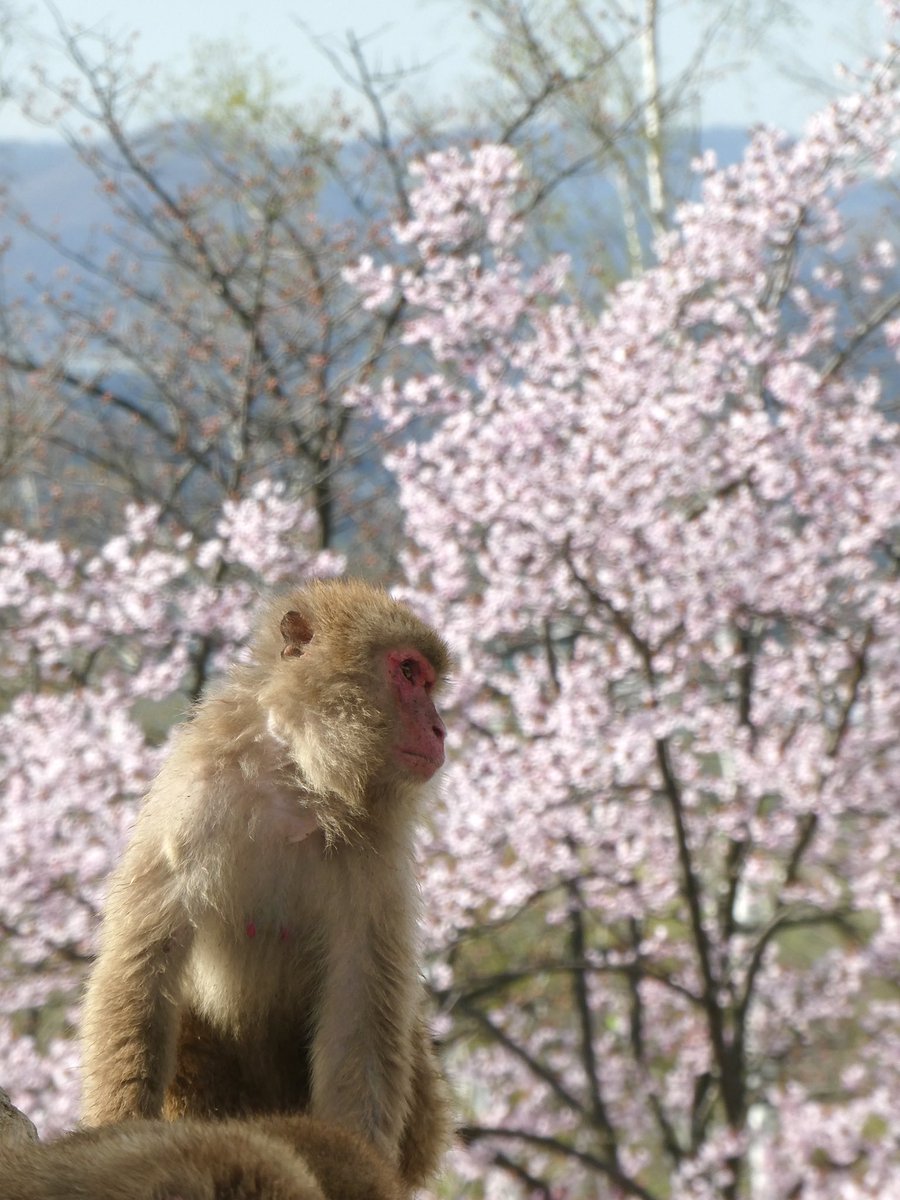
267,1158
259,950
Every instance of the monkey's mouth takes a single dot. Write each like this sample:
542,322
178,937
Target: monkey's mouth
423,765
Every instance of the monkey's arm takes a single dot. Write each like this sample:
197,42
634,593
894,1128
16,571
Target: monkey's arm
429,1124
130,1021
362,1050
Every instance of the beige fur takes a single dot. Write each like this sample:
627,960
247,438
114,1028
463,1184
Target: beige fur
259,950
267,1158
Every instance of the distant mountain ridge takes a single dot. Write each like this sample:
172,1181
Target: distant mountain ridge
61,196
47,181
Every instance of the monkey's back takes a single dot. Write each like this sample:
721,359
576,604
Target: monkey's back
145,1160
271,1158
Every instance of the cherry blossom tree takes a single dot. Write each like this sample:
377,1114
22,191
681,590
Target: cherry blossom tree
204,321
663,539
662,891
100,646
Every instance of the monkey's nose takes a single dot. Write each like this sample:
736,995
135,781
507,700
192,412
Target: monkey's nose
439,729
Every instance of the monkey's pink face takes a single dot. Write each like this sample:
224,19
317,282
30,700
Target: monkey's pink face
420,731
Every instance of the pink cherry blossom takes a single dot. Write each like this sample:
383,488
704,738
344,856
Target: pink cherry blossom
660,891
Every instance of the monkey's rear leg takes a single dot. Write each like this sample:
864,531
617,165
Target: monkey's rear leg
215,1079
209,1080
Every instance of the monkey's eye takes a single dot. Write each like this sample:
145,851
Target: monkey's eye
408,669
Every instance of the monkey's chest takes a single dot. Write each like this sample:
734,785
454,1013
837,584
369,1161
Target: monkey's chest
254,965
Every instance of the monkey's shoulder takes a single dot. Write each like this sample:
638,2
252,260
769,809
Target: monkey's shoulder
204,795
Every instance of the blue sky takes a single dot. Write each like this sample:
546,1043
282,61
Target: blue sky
440,33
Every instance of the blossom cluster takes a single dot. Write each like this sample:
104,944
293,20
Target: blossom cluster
663,539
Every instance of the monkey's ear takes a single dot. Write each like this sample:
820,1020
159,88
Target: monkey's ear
297,633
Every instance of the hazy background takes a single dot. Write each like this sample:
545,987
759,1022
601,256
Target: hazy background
775,75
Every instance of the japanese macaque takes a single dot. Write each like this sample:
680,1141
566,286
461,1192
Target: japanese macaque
264,1158
259,948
